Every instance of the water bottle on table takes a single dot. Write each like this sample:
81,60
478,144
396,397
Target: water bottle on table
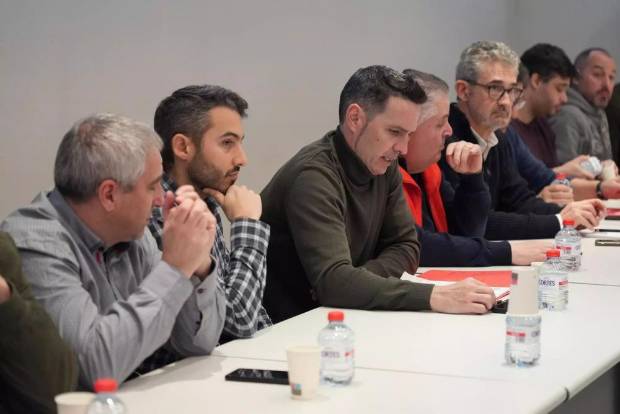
553,283
337,351
568,242
106,401
523,320
560,178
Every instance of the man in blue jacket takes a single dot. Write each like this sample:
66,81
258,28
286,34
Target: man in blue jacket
452,219
486,88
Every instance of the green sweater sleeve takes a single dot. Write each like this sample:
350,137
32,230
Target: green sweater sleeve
35,364
317,218
398,242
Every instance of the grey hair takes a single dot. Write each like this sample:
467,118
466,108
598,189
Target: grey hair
481,52
101,147
433,86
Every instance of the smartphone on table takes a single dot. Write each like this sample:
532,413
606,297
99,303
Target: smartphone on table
266,376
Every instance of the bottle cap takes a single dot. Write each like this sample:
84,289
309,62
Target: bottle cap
105,385
335,316
560,176
553,253
568,222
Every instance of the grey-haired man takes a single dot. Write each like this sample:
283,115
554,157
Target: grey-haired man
113,296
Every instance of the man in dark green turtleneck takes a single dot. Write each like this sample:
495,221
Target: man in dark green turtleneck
341,232
35,364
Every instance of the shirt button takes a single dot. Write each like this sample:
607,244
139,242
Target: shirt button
201,291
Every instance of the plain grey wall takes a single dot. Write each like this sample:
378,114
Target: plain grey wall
62,60
574,25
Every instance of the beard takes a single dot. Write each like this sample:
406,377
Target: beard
203,174
500,118
602,98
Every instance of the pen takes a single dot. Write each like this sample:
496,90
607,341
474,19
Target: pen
503,295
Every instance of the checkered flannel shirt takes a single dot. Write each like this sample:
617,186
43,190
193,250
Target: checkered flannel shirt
242,271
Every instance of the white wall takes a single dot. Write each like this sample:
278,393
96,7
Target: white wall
61,60
573,25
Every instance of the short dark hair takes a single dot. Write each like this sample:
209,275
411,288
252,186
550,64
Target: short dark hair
370,88
523,74
582,57
185,112
547,61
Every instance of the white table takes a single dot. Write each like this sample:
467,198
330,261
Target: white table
420,361
197,385
600,265
577,345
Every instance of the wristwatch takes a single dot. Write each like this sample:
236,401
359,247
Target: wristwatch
599,191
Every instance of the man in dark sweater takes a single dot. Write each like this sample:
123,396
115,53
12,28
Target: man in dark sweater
486,89
35,364
452,219
341,232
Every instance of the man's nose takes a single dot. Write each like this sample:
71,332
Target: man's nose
241,158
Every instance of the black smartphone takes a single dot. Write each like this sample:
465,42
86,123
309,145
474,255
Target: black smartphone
500,306
604,242
266,376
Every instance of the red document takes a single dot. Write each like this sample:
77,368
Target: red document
495,278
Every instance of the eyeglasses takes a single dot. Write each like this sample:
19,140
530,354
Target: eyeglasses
496,92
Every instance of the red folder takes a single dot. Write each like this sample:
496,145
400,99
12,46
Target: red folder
613,212
495,278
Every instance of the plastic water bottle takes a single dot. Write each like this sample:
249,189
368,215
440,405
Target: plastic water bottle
568,242
560,178
337,353
592,165
553,283
522,339
106,401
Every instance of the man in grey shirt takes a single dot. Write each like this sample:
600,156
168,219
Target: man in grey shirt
113,296
581,125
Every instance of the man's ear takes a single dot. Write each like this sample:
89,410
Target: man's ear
535,80
462,90
108,194
355,118
183,147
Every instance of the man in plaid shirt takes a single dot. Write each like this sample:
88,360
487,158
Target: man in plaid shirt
202,133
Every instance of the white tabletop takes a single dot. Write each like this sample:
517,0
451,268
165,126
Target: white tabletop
408,361
600,265
464,345
197,385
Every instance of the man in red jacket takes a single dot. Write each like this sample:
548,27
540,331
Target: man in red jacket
447,218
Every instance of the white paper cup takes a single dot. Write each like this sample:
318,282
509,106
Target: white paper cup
524,292
73,402
304,366
536,265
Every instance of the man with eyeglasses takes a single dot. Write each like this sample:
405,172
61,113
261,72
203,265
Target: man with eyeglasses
486,87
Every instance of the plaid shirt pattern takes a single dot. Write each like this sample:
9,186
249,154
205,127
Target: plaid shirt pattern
242,270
